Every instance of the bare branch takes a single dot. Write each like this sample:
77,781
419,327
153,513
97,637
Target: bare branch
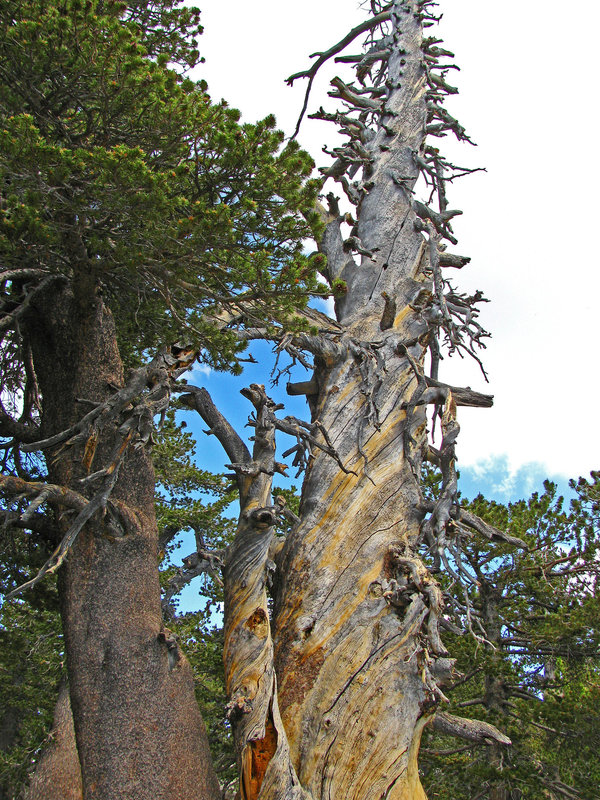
155,376
20,431
57,496
200,400
365,26
203,562
470,729
9,319
437,392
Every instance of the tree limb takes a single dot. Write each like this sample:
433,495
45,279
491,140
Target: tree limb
470,729
365,26
201,401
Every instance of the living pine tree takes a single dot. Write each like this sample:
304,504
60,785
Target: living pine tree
135,214
531,665
32,657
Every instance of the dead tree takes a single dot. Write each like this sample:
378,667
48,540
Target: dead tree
359,663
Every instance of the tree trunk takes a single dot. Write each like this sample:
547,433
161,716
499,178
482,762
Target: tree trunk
138,728
356,611
355,638
58,774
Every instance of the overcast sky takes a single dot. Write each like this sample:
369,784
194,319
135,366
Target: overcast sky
529,99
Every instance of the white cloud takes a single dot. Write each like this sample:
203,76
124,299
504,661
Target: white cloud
496,479
200,369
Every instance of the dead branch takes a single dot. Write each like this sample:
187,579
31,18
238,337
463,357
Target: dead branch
200,400
58,496
8,320
305,433
310,387
202,562
22,432
437,393
155,377
365,26
470,729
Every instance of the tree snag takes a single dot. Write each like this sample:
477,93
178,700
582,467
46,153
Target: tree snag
355,634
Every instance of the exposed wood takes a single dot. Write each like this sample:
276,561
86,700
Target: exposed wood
470,729
351,665
262,748
329,689
303,387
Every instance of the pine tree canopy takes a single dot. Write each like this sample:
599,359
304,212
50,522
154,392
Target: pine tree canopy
118,170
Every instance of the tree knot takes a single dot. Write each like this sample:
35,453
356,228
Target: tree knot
262,518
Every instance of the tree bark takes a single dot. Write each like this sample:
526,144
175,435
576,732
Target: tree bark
132,690
355,603
58,774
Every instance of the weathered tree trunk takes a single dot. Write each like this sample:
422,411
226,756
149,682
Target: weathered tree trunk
264,763
138,728
352,666
356,611
355,639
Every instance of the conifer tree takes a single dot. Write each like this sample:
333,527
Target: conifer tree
135,215
532,665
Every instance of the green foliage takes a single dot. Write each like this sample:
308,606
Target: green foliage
31,652
118,174
116,169
191,499
531,666
187,497
202,642
30,668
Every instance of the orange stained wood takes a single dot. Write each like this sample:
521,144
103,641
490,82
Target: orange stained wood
258,623
401,315
89,452
257,756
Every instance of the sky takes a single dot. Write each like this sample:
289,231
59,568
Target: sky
528,95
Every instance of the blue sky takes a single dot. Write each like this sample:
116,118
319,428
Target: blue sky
493,476
495,480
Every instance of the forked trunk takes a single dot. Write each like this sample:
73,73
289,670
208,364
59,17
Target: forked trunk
355,639
355,634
